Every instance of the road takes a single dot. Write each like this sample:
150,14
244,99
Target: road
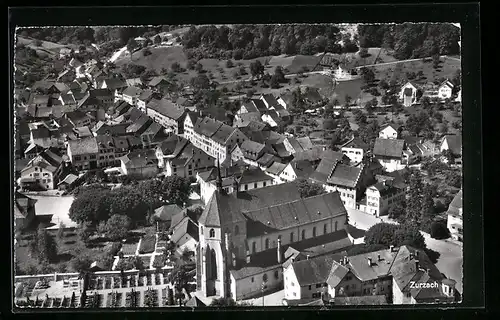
402,61
451,254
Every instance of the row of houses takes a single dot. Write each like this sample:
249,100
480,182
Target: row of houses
411,93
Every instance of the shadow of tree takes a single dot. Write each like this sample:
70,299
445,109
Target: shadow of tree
433,255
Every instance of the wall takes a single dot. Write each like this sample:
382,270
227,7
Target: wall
288,174
454,220
399,297
42,175
354,154
388,133
391,165
291,284
246,288
297,233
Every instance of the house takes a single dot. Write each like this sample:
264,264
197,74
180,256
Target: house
294,145
82,132
452,143
408,94
119,108
459,96
129,95
158,84
110,150
185,236
243,119
182,158
97,99
445,90
46,87
217,139
41,171
236,178
139,125
266,160
141,164
269,100
249,151
134,82
189,122
83,153
167,114
389,152
67,182
78,118
254,105
313,155
349,181
153,135
381,197
143,99
276,171
306,279
273,118
286,100
417,280
113,84
114,130
389,131
240,251
24,211
166,212
355,149
455,220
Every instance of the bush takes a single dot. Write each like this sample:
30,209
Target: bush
115,248
439,230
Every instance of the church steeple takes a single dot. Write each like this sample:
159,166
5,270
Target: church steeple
219,177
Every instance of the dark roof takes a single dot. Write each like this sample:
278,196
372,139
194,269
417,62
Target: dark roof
270,99
115,83
388,147
331,170
313,270
259,104
379,268
311,155
344,175
356,143
276,168
408,92
156,81
281,150
454,143
250,108
40,133
207,126
133,114
302,168
456,204
140,125
132,91
145,95
153,129
185,227
121,107
223,133
166,212
253,175
392,125
295,144
83,146
405,269
251,149
266,160
76,115
333,155
166,108
139,159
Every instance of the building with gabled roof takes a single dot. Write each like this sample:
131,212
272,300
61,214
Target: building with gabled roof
455,217
408,94
185,235
41,171
142,164
140,125
83,153
168,114
445,90
243,236
128,94
113,84
389,152
452,143
24,211
355,149
382,196
389,131
269,100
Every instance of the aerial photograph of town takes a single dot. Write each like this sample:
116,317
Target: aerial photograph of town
252,165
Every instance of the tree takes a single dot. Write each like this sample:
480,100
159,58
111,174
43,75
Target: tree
359,117
435,61
396,212
200,82
256,68
223,302
414,205
229,64
90,205
199,67
127,201
117,227
274,82
427,210
347,100
46,246
439,230
85,231
409,234
278,72
363,53
131,46
381,233
176,189
81,263
176,67
308,189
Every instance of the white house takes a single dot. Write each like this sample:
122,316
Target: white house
408,94
355,149
389,131
455,222
382,196
389,152
41,170
445,90
459,96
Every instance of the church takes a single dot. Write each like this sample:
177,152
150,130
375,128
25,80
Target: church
243,236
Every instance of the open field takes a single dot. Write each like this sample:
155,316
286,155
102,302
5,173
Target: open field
398,71
162,57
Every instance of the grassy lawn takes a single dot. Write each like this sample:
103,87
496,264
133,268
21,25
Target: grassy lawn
159,58
398,71
351,88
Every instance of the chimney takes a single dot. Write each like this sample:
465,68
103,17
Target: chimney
417,265
391,248
378,258
369,262
307,257
280,254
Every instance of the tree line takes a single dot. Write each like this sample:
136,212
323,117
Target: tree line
252,41
411,40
